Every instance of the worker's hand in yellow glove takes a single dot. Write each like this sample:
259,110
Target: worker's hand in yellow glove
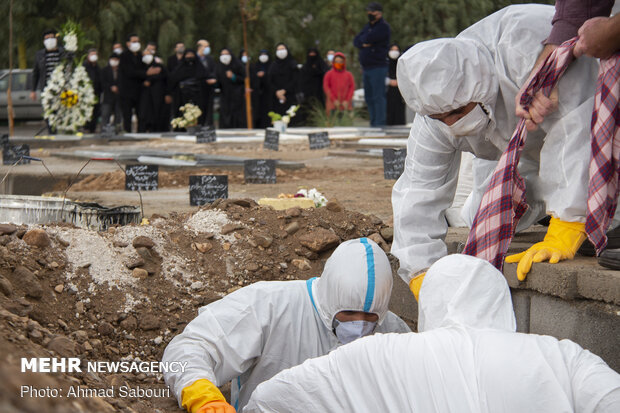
204,397
562,241
216,407
415,284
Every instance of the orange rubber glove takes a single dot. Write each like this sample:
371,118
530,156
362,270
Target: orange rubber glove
415,284
562,241
202,396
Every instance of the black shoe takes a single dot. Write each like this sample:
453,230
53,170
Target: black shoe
613,242
610,259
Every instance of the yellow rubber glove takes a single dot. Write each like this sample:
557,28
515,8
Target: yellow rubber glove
415,284
562,241
202,396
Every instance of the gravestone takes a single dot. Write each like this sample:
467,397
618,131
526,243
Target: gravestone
206,134
12,154
319,140
204,189
393,162
141,177
259,171
272,139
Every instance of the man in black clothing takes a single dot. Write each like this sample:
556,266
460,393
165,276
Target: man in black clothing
175,59
45,61
133,73
207,88
94,73
373,43
110,80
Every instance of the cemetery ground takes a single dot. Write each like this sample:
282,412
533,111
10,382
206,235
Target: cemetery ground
122,294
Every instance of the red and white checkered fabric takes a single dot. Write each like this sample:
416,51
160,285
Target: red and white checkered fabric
504,202
603,188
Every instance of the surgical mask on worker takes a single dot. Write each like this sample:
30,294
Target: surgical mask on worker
225,59
93,58
147,59
393,54
50,43
118,50
282,53
206,51
348,331
263,58
134,46
244,59
472,124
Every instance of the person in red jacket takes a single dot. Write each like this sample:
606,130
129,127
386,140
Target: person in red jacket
339,86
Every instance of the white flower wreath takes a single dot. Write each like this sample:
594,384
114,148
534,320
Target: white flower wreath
68,99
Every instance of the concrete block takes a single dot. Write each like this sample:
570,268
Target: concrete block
403,303
602,285
593,325
553,279
521,304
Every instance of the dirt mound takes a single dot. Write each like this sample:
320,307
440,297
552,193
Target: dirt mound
124,293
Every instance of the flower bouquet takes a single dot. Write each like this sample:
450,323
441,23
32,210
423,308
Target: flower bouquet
190,116
68,98
280,122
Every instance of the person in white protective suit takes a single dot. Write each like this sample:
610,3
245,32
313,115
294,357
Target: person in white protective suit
257,331
466,358
463,92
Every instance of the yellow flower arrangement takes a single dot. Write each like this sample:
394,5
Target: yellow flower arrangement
68,98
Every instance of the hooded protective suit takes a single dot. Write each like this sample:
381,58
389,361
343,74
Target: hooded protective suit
257,331
467,359
487,63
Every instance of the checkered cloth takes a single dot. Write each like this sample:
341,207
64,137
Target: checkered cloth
603,189
503,203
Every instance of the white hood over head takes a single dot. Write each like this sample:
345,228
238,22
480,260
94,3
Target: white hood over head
357,277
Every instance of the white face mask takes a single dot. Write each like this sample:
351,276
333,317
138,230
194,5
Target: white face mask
244,59
113,62
118,50
282,53
134,46
330,57
147,59
472,124
348,331
393,54
263,58
50,43
93,58
206,51
225,59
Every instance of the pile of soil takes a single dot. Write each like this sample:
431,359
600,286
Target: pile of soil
123,294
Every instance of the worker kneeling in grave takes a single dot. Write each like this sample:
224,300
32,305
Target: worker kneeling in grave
466,358
463,91
255,332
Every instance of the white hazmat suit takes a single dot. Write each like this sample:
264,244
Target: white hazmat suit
467,359
487,63
257,331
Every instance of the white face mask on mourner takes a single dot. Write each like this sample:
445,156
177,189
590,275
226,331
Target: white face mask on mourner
147,59
225,59
50,43
263,58
282,53
393,54
134,46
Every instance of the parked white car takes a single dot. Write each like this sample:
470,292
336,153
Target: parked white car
23,107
